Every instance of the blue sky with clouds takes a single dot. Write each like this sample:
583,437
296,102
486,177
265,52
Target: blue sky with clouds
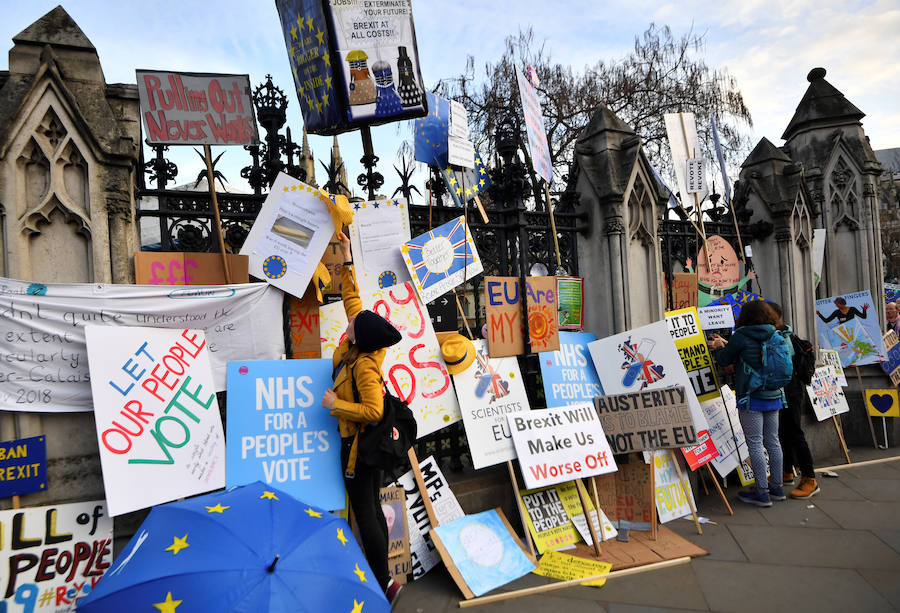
769,47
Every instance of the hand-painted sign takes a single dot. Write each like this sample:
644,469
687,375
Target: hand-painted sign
490,389
441,259
625,494
568,374
503,313
303,320
560,444
658,419
278,432
393,507
684,290
826,394
671,492
23,466
189,108
830,357
570,293
156,413
534,125
844,324
379,228
883,403
543,319
183,268
891,366
718,317
56,555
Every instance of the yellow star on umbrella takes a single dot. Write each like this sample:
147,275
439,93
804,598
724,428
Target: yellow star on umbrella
312,513
481,183
319,107
320,36
293,54
217,509
340,536
300,22
178,544
468,192
269,495
459,191
168,605
325,98
360,573
328,80
294,33
309,21
326,56
357,606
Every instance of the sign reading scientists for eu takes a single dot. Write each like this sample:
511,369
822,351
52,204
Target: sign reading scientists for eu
23,466
278,432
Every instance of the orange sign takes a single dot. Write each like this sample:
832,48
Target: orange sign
188,268
723,269
684,290
543,319
503,312
303,319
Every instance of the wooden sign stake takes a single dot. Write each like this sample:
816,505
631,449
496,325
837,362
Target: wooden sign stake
719,487
653,517
210,177
552,225
481,210
420,482
840,434
521,506
868,417
585,506
687,495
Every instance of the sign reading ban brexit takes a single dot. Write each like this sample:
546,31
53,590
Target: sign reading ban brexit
560,444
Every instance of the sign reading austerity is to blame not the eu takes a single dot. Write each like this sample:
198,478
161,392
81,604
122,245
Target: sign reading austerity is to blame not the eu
560,444
158,422
278,432
652,419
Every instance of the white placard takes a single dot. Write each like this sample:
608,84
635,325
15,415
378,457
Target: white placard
158,423
490,389
681,131
442,258
826,394
696,175
534,126
461,152
459,121
718,317
379,228
725,431
671,497
830,357
560,444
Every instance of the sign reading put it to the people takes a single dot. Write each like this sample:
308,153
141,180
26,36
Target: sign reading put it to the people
653,419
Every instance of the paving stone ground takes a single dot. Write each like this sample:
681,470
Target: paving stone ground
838,551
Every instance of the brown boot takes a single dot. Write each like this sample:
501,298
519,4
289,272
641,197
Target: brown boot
788,478
808,487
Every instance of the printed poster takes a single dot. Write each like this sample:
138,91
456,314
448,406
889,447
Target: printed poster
290,235
644,359
23,466
490,389
568,374
719,317
671,495
684,326
503,315
157,418
556,519
413,368
534,126
279,433
543,318
566,567
568,494
883,403
830,357
570,292
826,394
849,324
441,259
725,432
379,228
38,573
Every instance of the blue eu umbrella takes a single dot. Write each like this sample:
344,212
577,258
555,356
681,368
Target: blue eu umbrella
248,549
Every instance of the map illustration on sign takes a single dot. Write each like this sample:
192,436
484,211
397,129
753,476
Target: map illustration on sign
441,259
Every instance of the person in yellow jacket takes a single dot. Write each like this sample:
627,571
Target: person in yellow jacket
358,359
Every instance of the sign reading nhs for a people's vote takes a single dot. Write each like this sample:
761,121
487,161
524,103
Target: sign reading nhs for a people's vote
278,432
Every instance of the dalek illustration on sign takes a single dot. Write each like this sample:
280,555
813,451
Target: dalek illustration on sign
362,88
410,93
386,101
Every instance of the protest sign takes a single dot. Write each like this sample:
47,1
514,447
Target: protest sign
379,228
725,431
290,235
717,317
565,567
691,344
701,453
277,431
568,494
441,259
891,292
826,394
23,466
845,324
393,506
568,374
490,389
723,271
74,544
643,359
560,444
156,413
684,289
503,314
570,293
681,131
830,357
191,108
736,300
414,368
671,493
891,365
549,523
657,419
333,260
883,403
481,552
42,350
446,509
303,320
626,493
543,319
534,126
186,268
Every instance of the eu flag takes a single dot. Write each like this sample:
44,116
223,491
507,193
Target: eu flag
432,131
466,183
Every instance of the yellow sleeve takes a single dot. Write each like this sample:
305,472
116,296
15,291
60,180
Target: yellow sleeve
350,292
371,401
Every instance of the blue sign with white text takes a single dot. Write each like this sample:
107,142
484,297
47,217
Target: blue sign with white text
23,466
278,432
569,374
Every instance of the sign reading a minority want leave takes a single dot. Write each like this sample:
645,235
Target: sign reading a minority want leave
653,419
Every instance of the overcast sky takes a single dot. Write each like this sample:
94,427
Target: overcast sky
769,47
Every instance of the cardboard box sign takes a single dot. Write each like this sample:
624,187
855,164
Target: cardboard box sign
543,318
188,268
625,494
303,319
652,419
684,290
503,312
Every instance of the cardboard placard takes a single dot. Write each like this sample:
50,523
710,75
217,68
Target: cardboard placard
566,567
393,506
441,259
625,494
883,403
23,466
826,394
503,315
684,290
278,432
543,318
570,293
555,517
156,414
891,365
185,268
191,108
849,325
560,444
303,320
671,497
657,419
379,228
490,389
719,317
80,532
568,374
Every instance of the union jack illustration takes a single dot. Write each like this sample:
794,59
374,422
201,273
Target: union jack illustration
639,366
488,380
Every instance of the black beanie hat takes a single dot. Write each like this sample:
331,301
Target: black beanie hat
374,332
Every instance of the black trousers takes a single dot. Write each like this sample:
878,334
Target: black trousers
365,501
790,433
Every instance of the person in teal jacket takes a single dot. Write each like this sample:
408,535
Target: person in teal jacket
758,410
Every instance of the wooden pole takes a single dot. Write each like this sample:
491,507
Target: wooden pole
653,518
719,487
552,225
521,506
840,434
703,483
585,506
462,313
423,491
687,151
210,177
539,589
481,210
687,494
868,417
858,464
